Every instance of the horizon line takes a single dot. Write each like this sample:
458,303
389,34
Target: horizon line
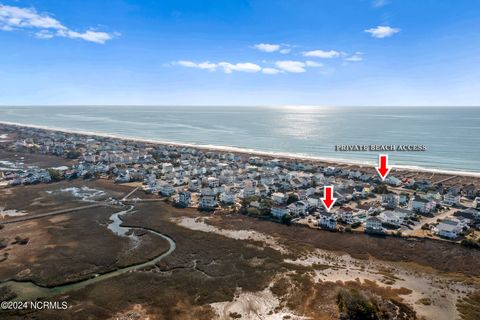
237,106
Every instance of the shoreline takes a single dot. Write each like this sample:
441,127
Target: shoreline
250,152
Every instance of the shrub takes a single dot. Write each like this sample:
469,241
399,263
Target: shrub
469,243
356,306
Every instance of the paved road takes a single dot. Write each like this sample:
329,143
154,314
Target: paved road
53,213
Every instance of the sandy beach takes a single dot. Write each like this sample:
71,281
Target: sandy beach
400,171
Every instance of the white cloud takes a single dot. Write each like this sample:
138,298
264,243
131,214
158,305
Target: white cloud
227,67
47,27
240,67
270,71
89,35
249,67
291,66
382,31
380,3
355,57
310,63
202,65
266,47
323,54
44,34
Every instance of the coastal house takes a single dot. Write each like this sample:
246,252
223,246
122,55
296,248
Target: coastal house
279,198
314,201
227,197
207,202
393,181
279,211
391,218
345,214
327,221
403,199
390,200
422,205
184,198
469,213
449,228
194,185
165,189
451,199
470,191
298,208
374,225
476,203
248,192
213,182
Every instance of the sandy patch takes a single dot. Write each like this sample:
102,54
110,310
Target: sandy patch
11,213
441,291
199,225
253,305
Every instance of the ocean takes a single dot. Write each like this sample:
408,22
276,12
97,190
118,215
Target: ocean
451,134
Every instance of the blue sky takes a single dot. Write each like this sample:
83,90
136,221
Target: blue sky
357,52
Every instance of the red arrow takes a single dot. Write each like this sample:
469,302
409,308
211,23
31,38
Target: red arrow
328,199
383,169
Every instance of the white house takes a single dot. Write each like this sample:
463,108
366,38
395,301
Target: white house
373,224
227,197
207,202
327,221
298,208
391,180
248,192
451,199
448,229
213,182
314,201
184,198
279,198
279,211
391,217
346,215
476,203
390,200
167,167
166,189
423,205
194,185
